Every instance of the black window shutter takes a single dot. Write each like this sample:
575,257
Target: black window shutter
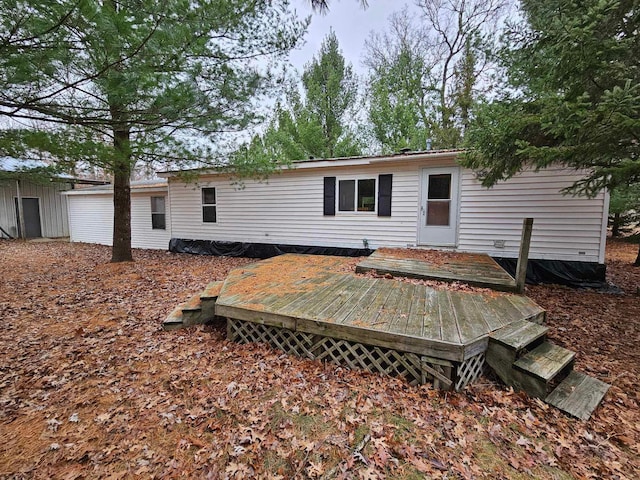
329,195
384,195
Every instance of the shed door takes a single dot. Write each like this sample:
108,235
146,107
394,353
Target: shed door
438,207
31,211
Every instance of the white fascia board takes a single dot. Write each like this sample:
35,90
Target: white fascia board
339,163
136,190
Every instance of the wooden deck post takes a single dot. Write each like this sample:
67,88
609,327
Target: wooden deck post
523,255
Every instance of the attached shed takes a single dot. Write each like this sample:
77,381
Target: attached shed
417,199
40,204
91,214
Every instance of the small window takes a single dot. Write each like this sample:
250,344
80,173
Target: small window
357,195
158,217
209,213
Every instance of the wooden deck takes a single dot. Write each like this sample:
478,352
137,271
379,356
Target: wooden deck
475,269
304,293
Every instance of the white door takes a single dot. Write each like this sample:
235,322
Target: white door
438,216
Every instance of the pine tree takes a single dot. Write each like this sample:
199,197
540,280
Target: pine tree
119,82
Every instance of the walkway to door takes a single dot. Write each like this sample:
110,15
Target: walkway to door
476,269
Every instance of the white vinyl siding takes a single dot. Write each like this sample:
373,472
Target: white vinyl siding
564,228
288,209
91,220
53,207
143,235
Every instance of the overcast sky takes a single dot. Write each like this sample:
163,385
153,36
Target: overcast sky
352,24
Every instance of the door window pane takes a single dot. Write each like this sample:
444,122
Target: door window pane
347,195
367,195
439,187
438,212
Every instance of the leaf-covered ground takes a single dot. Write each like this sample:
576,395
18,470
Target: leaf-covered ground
91,387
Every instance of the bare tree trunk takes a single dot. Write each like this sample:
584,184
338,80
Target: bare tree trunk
615,225
637,262
121,250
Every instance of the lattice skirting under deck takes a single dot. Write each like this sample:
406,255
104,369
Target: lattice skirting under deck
416,369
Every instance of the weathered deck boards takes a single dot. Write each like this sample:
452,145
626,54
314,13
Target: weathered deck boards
475,269
309,294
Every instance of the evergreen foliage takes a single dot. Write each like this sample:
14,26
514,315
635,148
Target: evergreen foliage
117,82
573,96
315,125
624,209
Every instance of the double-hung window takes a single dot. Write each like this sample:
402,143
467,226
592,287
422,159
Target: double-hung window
158,214
357,195
209,212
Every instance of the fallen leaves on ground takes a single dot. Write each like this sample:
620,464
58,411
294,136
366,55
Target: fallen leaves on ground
90,386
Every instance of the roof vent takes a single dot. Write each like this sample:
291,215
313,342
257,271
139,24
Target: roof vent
428,144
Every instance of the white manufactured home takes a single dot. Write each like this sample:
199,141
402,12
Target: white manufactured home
417,199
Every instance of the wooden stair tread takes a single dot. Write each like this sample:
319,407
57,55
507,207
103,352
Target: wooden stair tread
192,305
578,395
212,291
545,361
519,334
173,320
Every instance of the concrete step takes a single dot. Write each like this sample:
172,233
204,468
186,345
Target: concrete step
578,395
520,335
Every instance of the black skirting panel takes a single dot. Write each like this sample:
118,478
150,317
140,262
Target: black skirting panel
562,272
257,250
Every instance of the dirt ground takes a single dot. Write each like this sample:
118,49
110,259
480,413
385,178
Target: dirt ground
91,387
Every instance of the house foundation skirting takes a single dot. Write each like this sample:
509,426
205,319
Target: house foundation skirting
258,250
563,272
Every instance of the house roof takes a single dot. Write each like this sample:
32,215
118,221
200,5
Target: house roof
401,157
137,186
10,164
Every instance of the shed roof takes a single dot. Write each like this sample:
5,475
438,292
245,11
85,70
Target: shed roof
17,165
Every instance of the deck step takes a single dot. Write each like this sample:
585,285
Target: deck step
173,320
519,335
212,291
578,395
192,305
545,362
